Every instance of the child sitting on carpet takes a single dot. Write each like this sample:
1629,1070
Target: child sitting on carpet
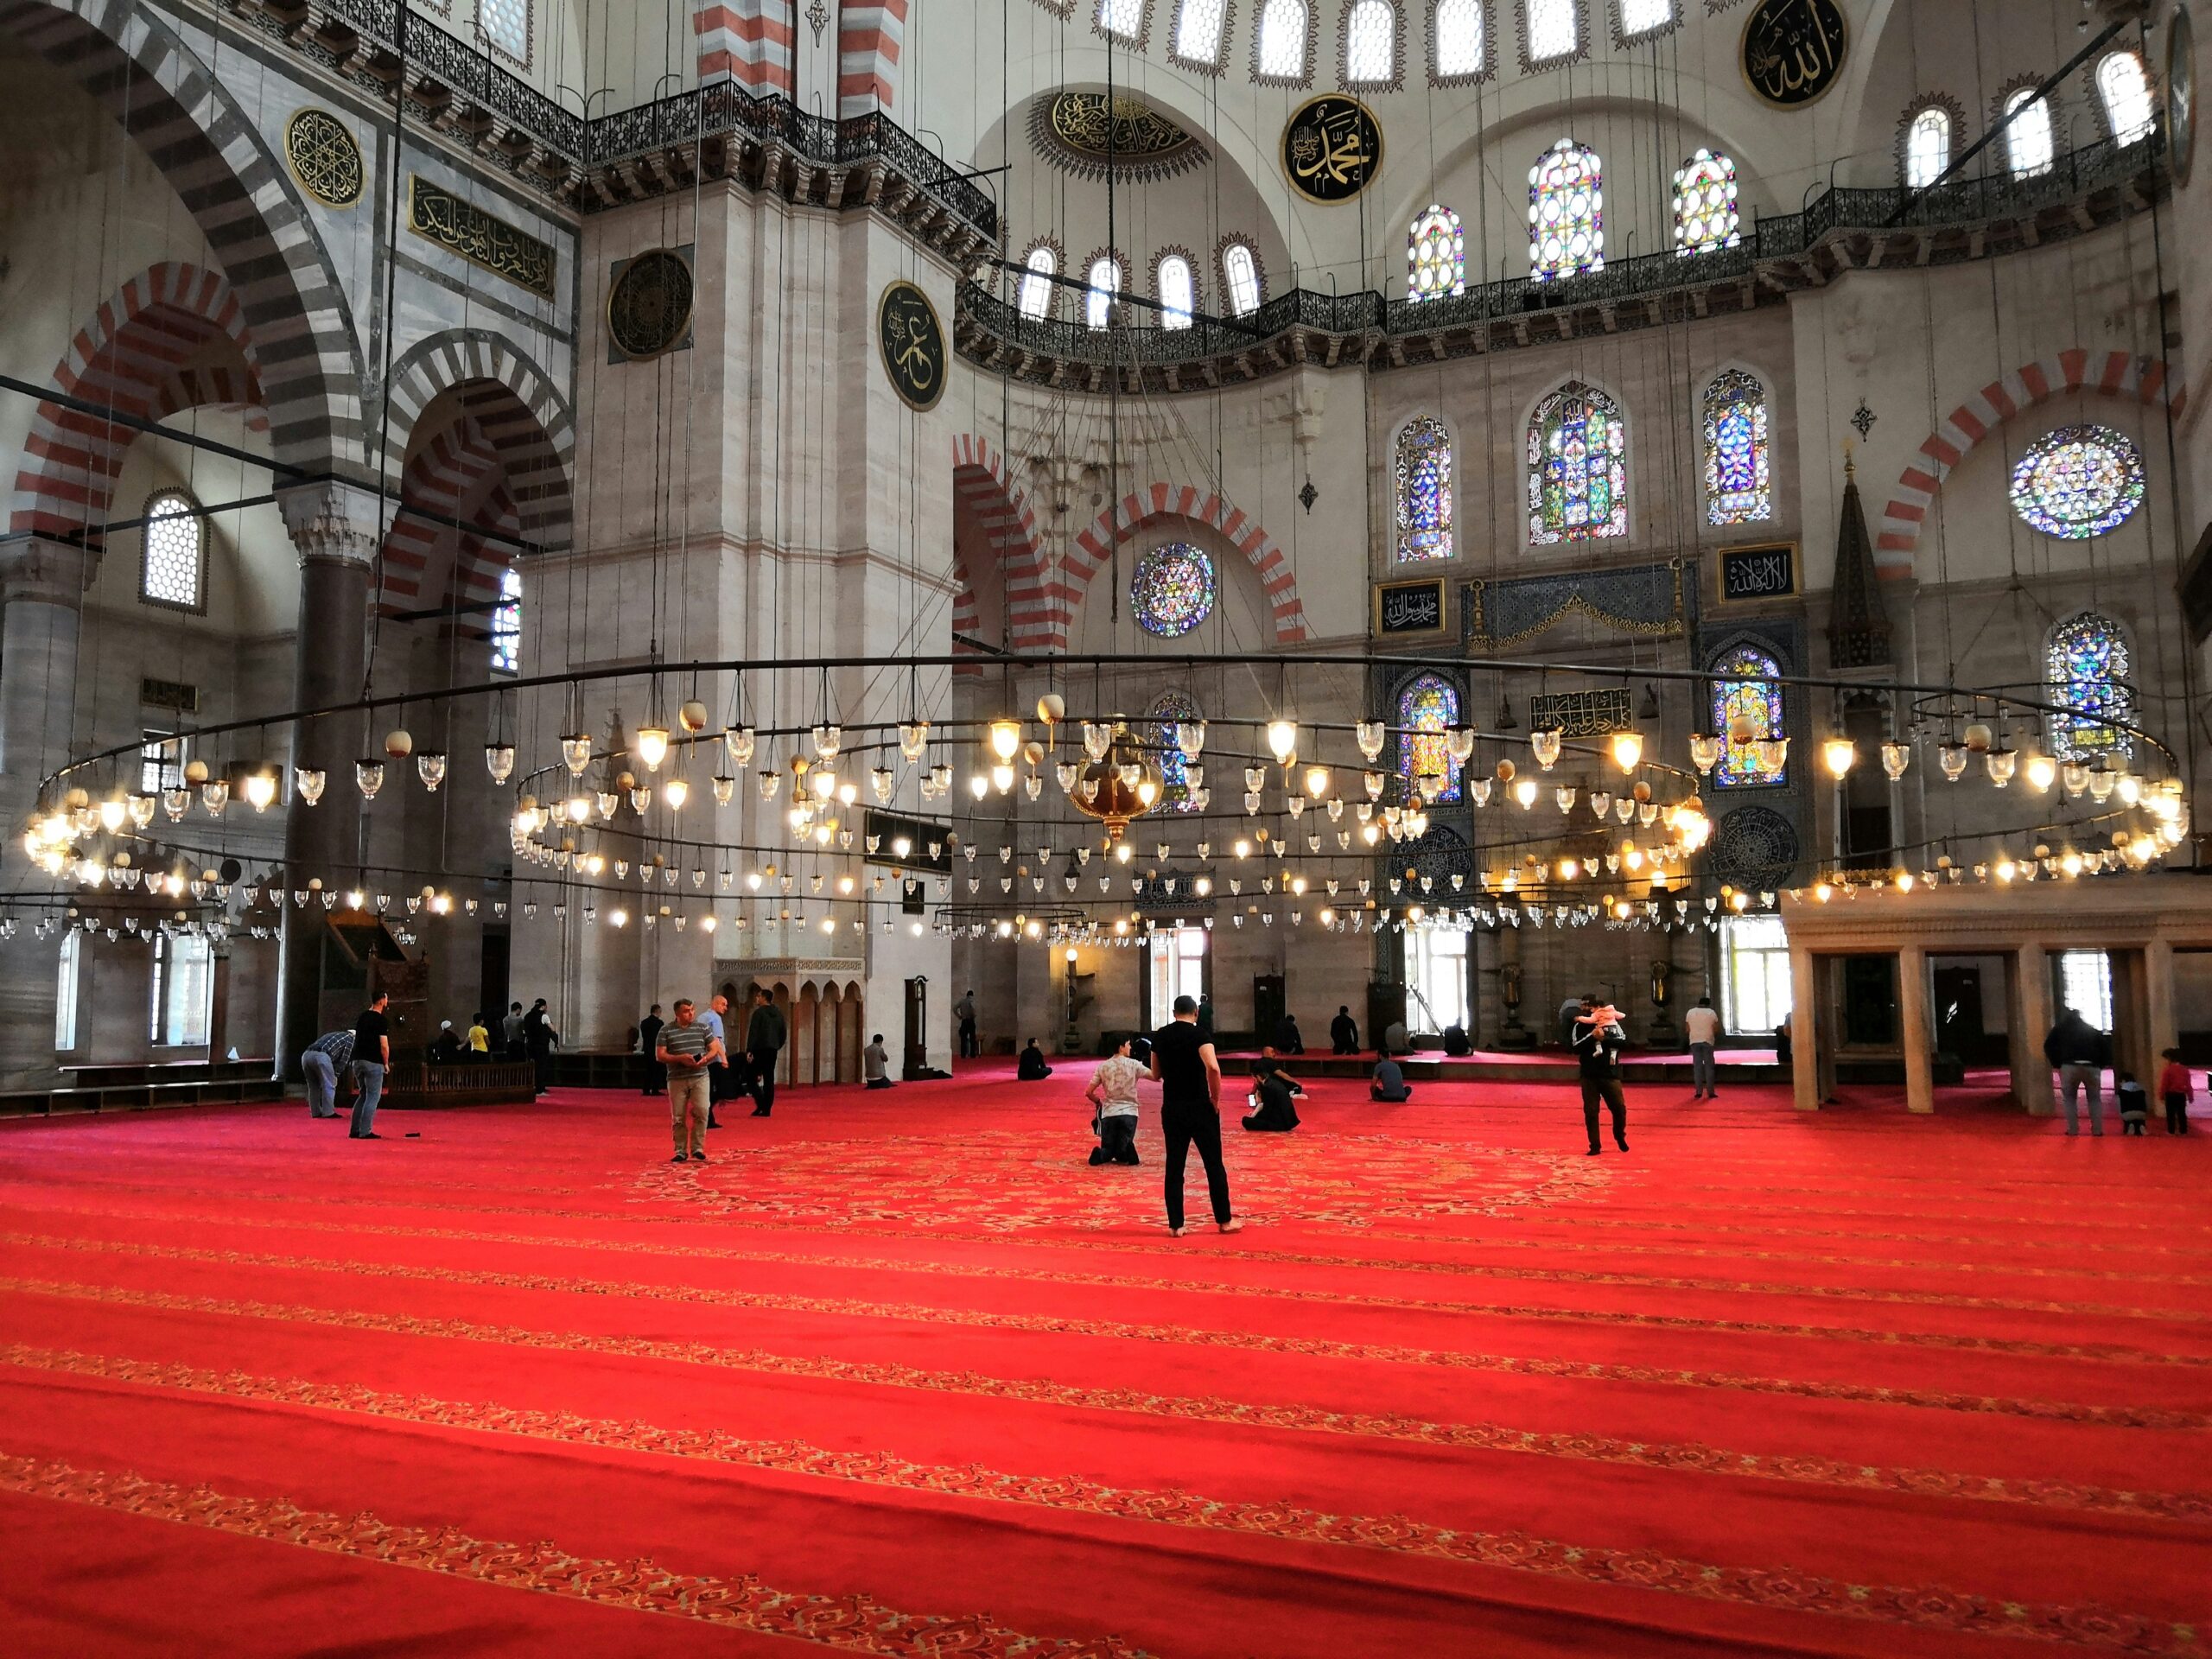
2134,1103
1113,1095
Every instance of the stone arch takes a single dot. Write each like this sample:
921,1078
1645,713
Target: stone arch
457,474
516,404
966,617
130,59
134,358
1094,547
2113,374
986,496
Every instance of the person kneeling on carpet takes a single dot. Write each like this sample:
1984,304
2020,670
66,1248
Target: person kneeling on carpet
875,1063
1390,1083
1031,1067
1272,1090
1113,1096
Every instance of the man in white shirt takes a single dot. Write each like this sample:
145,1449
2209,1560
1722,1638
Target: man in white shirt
1703,1024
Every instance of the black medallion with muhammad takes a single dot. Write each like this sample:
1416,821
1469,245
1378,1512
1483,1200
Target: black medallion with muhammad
1794,50
649,307
1331,148
913,344
324,157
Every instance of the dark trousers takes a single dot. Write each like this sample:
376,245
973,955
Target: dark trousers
764,1083
2176,1114
541,1065
1117,1141
656,1078
1607,1089
1182,1126
969,1047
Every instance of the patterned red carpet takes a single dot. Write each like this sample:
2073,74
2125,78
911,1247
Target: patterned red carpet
899,1374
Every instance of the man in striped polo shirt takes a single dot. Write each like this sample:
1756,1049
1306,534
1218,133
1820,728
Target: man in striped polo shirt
687,1047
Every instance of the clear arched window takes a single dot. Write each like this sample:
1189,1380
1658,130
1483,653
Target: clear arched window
1746,711
504,25
1104,286
1240,278
1436,255
1427,710
1706,216
1456,39
1566,213
1122,19
2090,670
1423,471
2029,144
1371,44
1040,268
1926,146
1578,468
2125,92
1167,714
1640,18
1551,29
1737,488
173,561
506,624
1198,31
1279,44
1178,298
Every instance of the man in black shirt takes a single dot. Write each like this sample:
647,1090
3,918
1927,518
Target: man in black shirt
1597,1053
649,1044
1344,1031
1183,1062
371,1056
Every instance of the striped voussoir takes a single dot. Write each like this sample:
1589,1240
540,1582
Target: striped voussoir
1094,548
869,35
2111,374
989,504
305,355
457,474
966,617
516,406
745,40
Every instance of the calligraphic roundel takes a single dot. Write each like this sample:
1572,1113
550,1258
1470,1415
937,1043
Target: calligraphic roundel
912,341
1331,148
1793,50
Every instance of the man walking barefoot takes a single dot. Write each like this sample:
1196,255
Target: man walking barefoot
687,1048
1184,1063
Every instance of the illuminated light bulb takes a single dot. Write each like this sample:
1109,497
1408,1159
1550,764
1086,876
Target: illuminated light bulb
1525,791
847,793
1904,881
1371,834
1122,852
1001,777
1628,750
979,785
595,865
576,752
2070,862
1283,741
576,808
1148,792
707,923
676,791
114,812
652,746
1822,892
260,791
1567,868
2005,869
823,782
1839,755
2129,788
1006,739
617,917
2042,772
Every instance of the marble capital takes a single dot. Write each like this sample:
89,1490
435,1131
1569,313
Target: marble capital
333,521
40,569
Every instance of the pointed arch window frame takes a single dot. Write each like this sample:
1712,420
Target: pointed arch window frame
1304,78
1436,213
1135,42
1051,289
1219,63
1746,663
2105,718
1486,36
1732,381
1532,64
196,603
1624,37
1090,292
1176,251
1227,288
1537,458
1174,770
1538,270
1413,742
1424,433
1951,110
1393,76
2149,125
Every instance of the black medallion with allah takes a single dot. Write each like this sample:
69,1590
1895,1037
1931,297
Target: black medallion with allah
913,346
1794,50
1331,148
649,306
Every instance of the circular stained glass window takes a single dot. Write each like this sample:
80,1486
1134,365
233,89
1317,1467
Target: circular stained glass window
2079,481
1172,592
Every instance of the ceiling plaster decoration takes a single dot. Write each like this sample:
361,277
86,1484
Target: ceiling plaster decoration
1070,131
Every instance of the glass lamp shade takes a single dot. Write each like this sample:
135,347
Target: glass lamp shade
724,789
1628,750
739,741
2042,772
1772,753
676,793
1066,772
1459,744
260,791
1283,740
141,808
882,780
1097,738
430,767
2002,763
215,794
575,751
770,781
500,761
368,778
640,799
1839,755
1896,757
1191,738
2075,776
1545,747
652,746
1704,753
913,737
1952,757
1370,734
1006,739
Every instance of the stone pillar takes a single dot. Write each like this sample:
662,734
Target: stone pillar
335,530
2028,1021
1804,1029
44,584
1915,1029
2159,1007
2131,1015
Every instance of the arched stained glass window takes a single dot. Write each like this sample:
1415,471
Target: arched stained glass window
1279,43
1371,44
1424,490
1746,709
1177,299
1427,710
1198,32
1240,278
1035,299
1578,468
1172,589
1436,255
2125,92
1168,713
1737,488
1926,146
174,551
1566,213
2029,145
2091,673
2078,482
506,624
1705,205
1458,43
1105,283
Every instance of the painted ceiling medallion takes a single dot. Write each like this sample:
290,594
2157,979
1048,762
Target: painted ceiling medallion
324,157
1072,131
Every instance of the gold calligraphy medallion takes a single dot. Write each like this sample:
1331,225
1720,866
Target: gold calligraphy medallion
1793,51
912,342
324,158
649,306
1331,148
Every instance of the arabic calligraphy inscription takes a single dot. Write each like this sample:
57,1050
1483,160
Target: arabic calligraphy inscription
1794,50
466,229
913,345
1331,148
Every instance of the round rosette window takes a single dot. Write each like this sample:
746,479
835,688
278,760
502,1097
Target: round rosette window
1172,591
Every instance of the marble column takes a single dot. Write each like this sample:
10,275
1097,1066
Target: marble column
2028,1021
43,582
335,530
1915,1029
2159,1007
1804,1029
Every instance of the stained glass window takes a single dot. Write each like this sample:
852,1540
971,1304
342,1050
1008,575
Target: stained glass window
2090,667
1926,146
1122,19
1037,285
1578,468
1198,31
1566,213
1737,485
1173,709
1240,278
2079,481
1172,590
1746,707
1176,300
1279,44
1371,44
1436,255
1105,285
2027,142
1427,710
1424,477
1458,28
2126,91
1554,30
506,624
1705,204
174,540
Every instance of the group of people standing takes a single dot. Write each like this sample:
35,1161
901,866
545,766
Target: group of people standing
1181,1059
2081,1053
689,1058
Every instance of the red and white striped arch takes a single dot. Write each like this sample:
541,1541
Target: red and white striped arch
869,39
749,42
146,353
998,513
967,617
1094,547
2111,374
457,474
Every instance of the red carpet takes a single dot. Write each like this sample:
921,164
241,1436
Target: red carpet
899,1374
